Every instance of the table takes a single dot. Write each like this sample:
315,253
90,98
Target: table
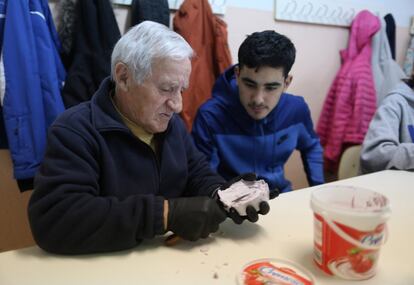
286,233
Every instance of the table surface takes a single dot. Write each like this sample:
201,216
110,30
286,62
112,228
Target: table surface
285,233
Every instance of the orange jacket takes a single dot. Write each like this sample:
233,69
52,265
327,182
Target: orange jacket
207,35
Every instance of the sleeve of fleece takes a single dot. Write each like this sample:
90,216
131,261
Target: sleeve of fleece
69,215
311,151
382,148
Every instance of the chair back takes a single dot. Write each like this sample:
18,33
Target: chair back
349,163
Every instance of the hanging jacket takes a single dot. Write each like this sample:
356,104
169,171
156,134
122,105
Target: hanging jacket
235,143
409,58
351,100
33,78
389,143
96,33
150,10
65,25
207,35
390,30
386,72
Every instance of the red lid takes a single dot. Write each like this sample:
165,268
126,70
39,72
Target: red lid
271,271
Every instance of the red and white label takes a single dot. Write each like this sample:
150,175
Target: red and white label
335,255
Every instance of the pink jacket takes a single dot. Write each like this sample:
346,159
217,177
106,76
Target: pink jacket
351,100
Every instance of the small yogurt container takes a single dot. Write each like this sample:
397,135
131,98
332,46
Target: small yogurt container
270,271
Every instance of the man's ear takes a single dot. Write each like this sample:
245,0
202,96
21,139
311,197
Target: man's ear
237,71
121,76
288,80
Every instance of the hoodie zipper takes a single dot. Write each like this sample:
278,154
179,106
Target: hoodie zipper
260,146
254,148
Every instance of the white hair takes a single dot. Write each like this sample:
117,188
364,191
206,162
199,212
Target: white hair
144,43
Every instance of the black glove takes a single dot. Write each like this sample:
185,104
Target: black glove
193,218
251,214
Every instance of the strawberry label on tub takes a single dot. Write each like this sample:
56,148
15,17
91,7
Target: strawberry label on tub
337,256
349,230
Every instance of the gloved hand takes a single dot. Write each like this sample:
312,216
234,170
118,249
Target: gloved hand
193,218
251,214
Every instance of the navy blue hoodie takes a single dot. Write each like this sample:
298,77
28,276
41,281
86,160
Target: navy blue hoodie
236,143
100,188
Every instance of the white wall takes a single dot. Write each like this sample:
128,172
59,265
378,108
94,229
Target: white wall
402,10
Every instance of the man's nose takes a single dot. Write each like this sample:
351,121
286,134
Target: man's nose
258,96
175,103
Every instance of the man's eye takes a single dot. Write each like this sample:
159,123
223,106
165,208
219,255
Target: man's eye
271,88
250,85
167,90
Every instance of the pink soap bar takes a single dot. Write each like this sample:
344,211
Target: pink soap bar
244,193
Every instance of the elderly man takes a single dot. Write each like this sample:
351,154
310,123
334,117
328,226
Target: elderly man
122,168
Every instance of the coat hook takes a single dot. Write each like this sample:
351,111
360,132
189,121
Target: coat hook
303,11
347,16
292,5
322,11
336,13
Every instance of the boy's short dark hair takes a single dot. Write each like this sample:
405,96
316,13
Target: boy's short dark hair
267,48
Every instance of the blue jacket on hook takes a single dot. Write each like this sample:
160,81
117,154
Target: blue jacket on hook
34,76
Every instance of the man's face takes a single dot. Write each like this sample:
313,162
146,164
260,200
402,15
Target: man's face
152,104
260,89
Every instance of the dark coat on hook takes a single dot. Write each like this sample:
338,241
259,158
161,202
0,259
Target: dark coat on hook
96,33
151,10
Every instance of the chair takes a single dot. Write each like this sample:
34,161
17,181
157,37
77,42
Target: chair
349,163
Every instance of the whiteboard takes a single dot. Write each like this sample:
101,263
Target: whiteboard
324,12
